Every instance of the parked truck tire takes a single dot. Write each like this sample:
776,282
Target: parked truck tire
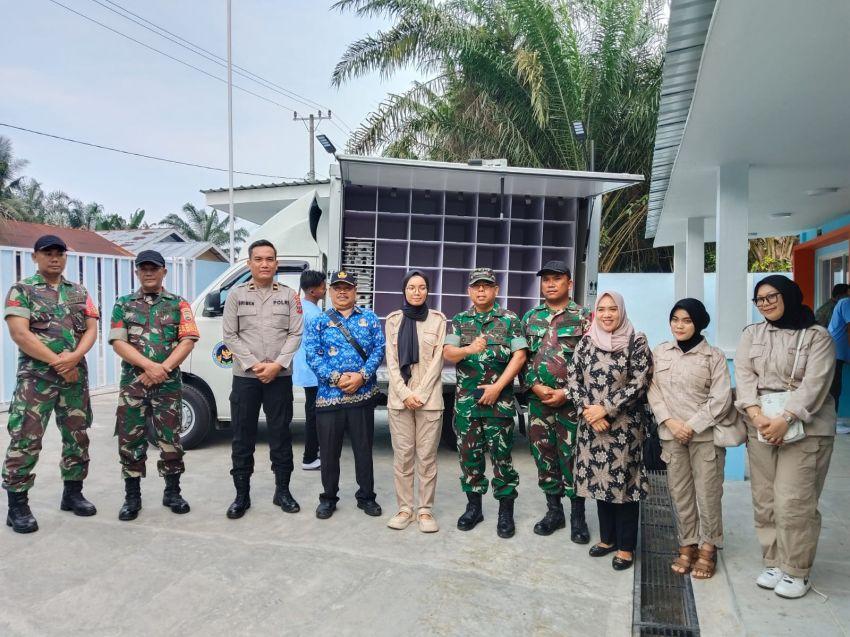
448,436
197,418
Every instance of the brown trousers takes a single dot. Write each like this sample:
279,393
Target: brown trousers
415,436
786,483
695,481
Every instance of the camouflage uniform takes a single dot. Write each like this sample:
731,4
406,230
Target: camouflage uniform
153,324
481,426
552,337
57,316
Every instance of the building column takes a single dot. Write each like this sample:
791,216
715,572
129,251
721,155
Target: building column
694,258
680,269
731,305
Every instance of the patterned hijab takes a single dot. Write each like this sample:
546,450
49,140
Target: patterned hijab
619,339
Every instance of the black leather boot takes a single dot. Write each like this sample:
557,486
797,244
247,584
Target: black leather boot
473,514
578,525
132,499
554,518
243,497
20,518
505,525
171,497
73,500
282,497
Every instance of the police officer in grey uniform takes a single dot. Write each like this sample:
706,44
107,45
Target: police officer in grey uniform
263,322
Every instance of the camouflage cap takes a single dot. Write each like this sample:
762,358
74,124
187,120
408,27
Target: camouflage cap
482,274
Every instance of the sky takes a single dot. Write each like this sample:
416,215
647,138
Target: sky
64,75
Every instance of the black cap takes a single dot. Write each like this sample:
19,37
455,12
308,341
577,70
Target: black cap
49,241
556,267
341,276
150,256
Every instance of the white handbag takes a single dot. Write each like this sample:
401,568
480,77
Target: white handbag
773,405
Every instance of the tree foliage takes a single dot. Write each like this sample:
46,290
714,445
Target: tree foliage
202,225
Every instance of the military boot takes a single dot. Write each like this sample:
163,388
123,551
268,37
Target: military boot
132,499
505,525
554,518
171,497
578,525
20,518
282,497
473,514
73,499
243,497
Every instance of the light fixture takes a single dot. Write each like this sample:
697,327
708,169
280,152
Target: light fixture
578,131
817,192
780,215
753,234
326,144
393,193
493,198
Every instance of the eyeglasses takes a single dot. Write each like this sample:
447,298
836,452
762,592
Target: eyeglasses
768,299
416,288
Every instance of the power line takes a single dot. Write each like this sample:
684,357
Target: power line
134,154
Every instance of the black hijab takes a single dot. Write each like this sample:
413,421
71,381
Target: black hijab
408,339
797,316
696,310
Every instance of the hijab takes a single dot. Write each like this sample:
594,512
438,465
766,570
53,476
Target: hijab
618,339
696,310
408,339
797,316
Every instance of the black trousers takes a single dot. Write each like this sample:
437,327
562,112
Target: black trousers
311,437
618,524
331,426
245,400
835,389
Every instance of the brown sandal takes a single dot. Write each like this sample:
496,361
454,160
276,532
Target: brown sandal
682,565
706,564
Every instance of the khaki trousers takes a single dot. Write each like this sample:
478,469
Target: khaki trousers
695,481
415,436
786,483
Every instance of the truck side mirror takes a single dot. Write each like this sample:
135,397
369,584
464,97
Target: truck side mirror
212,304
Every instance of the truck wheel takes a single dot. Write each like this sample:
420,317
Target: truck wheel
448,436
197,417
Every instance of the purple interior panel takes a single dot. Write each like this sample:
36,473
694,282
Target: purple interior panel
459,231
425,229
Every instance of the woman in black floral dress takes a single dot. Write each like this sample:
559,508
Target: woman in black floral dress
609,375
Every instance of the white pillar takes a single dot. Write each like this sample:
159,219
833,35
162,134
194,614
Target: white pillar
731,305
679,269
591,271
694,258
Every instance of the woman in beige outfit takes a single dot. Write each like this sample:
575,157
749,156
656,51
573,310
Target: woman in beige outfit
787,477
690,393
415,338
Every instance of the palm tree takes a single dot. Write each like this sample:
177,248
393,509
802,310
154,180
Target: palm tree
200,225
505,78
116,222
10,180
84,216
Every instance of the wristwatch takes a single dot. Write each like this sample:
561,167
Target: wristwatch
789,419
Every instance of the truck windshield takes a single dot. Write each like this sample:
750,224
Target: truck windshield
288,273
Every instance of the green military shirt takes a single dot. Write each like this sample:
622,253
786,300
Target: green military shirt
153,324
552,338
57,316
503,331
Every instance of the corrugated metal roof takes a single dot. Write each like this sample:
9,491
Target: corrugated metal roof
188,249
140,238
686,34
19,234
280,184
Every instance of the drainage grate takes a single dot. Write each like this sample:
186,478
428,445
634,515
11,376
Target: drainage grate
664,602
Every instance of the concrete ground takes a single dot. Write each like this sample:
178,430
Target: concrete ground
271,573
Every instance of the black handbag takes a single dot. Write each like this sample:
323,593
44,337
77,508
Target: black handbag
652,442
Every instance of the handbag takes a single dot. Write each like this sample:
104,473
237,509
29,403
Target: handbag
773,405
652,460
732,430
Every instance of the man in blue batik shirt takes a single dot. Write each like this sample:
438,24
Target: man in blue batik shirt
344,348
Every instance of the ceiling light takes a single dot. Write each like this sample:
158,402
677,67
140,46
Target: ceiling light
817,192
780,215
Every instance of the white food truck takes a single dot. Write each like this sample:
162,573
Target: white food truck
378,217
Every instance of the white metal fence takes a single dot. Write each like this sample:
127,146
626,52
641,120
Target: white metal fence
106,278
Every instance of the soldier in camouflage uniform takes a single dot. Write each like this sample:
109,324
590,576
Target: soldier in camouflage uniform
153,331
489,350
553,329
54,323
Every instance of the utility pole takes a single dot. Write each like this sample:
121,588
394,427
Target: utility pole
230,135
313,122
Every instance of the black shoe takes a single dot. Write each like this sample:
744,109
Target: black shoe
171,497
132,499
282,497
20,518
243,497
505,525
73,500
473,514
601,551
578,524
325,509
554,518
620,564
370,507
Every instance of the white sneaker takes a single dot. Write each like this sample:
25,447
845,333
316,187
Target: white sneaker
312,466
769,578
791,587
